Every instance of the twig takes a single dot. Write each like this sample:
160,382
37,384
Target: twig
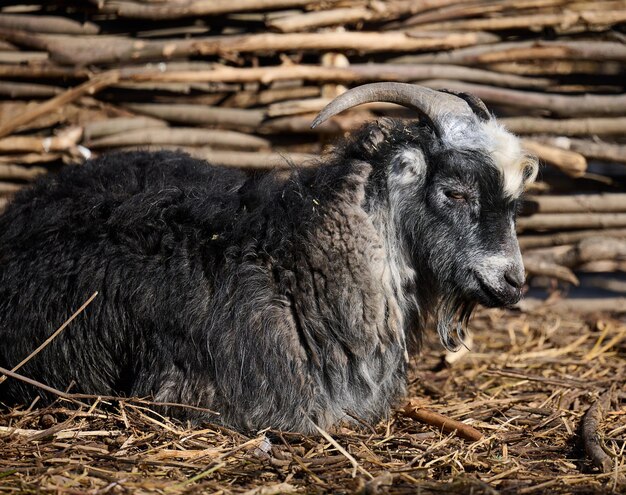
12,172
591,438
576,306
181,136
356,466
563,20
576,203
354,74
360,41
561,238
566,127
75,397
557,221
47,24
523,50
178,10
415,411
90,87
53,336
537,266
590,148
193,114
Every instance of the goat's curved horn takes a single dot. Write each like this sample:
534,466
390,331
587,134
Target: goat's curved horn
476,104
429,103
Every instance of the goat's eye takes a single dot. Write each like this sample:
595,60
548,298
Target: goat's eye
456,195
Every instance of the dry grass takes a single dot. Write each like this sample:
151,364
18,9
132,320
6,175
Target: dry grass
526,386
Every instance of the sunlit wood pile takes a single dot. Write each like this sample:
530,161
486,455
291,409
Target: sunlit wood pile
238,82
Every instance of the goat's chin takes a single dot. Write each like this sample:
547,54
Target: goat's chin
492,296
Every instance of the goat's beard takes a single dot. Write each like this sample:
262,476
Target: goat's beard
452,319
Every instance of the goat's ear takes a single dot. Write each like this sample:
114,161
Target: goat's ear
530,169
409,165
378,132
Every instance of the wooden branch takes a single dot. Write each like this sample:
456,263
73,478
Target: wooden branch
572,50
577,305
597,248
562,20
591,439
72,113
583,105
536,266
20,90
354,74
590,149
157,11
569,162
566,127
465,10
576,203
558,67
47,24
90,87
101,128
253,160
26,144
556,221
562,238
414,410
102,49
22,57
312,20
17,172
603,266
301,124
177,10
201,115
510,51
42,71
558,262
361,42
183,136
29,158
244,99
7,188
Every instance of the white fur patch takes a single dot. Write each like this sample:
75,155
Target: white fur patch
492,267
517,166
412,164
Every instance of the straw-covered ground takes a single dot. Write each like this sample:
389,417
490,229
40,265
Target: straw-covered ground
531,384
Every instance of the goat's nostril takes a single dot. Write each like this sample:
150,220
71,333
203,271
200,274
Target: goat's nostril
514,278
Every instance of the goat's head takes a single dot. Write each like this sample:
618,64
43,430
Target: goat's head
449,186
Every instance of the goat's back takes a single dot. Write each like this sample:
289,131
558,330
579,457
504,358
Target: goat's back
131,226
262,298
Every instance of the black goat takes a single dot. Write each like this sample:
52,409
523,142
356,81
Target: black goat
280,302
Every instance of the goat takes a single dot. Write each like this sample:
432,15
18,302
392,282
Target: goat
276,302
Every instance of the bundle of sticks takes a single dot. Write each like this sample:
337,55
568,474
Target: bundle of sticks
237,83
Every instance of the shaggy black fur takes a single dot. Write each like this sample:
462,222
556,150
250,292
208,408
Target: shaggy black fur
262,297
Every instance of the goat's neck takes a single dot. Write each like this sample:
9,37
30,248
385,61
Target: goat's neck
399,273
